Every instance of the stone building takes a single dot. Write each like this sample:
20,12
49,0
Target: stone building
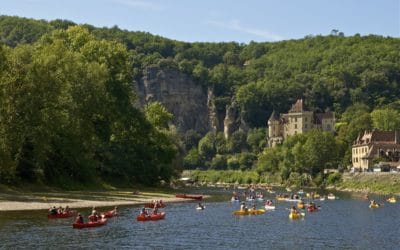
375,144
298,120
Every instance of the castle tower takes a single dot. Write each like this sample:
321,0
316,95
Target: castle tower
274,130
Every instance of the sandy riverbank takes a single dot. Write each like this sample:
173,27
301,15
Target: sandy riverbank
39,201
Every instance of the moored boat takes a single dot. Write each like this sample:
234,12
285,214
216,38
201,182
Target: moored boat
148,217
62,215
98,223
187,196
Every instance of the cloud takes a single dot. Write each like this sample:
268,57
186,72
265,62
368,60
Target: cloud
140,4
235,25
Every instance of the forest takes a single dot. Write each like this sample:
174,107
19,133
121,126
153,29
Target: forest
67,110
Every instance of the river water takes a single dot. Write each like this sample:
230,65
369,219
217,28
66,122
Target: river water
346,223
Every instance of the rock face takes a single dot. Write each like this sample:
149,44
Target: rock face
187,100
232,119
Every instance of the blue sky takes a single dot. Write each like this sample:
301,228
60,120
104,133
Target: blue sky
222,20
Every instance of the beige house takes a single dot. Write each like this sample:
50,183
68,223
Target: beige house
297,121
375,144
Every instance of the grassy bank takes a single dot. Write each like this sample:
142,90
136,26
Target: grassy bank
231,176
381,183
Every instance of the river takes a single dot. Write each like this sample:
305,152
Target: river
346,223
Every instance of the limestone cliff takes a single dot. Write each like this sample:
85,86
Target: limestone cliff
187,100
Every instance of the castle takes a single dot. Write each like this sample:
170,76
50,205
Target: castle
297,121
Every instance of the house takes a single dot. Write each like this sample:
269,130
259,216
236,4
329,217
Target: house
374,146
298,120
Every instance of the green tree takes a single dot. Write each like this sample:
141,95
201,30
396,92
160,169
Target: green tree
386,119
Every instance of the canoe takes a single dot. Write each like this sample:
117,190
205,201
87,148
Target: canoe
301,205
310,209
292,200
233,200
331,197
392,200
294,216
187,196
151,205
268,207
61,216
109,214
374,206
201,208
158,216
98,223
249,212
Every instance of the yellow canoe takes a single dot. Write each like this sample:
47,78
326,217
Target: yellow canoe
301,205
294,216
374,206
392,200
249,212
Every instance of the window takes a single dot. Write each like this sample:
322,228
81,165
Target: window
295,119
305,119
306,126
295,126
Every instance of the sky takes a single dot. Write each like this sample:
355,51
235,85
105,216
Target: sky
222,20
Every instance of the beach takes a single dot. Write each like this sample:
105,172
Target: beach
81,199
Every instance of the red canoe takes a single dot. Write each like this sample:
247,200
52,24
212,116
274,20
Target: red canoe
151,205
63,215
187,196
148,217
98,223
109,214
311,209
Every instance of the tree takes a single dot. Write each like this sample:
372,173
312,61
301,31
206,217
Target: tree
157,115
386,119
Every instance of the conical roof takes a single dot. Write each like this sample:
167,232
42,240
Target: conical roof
274,116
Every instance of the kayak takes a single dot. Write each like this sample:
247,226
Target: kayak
201,208
109,214
268,207
98,223
374,206
392,200
249,212
233,200
61,216
158,216
186,196
294,216
151,205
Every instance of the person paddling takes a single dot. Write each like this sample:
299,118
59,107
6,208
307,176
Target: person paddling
79,219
